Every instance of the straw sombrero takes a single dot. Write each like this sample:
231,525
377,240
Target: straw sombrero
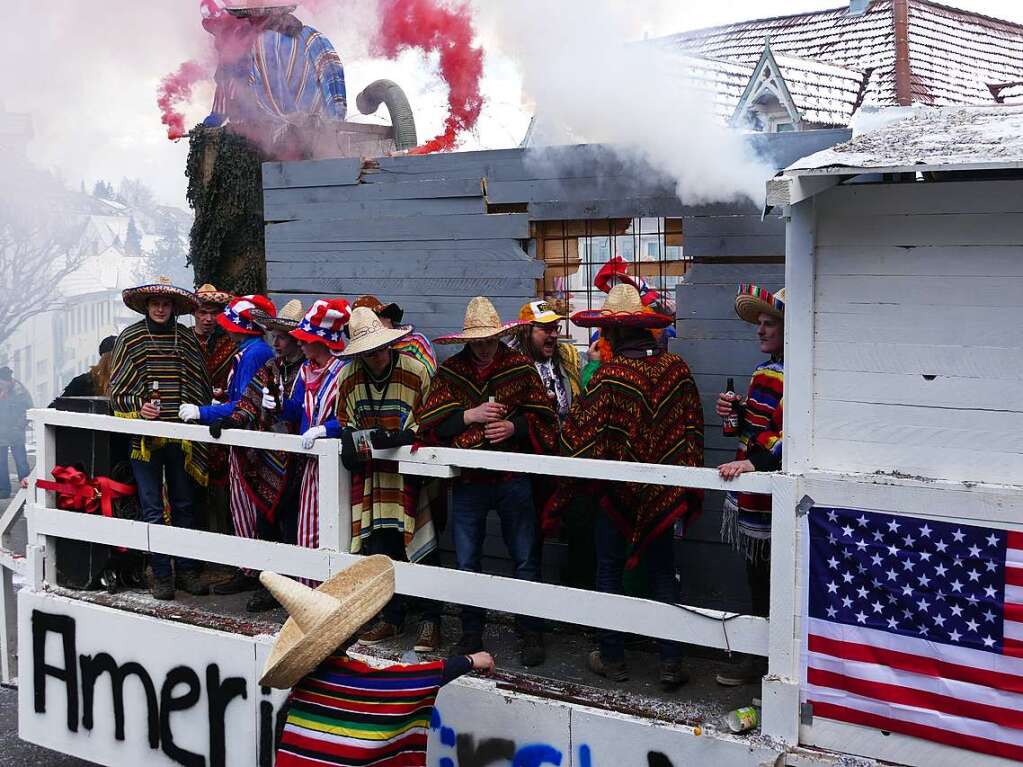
752,300
367,333
624,308
136,298
322,619
287,318
207,294
481,322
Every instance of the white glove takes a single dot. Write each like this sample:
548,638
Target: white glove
188,412
269,403
312,435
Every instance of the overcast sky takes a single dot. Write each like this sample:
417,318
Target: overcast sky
88,70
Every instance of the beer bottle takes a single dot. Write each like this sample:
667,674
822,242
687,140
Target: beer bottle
730,426
154,394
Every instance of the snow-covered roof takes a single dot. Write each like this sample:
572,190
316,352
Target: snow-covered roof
954,56
930,139
825,94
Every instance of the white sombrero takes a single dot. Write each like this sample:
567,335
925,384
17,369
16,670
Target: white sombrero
322,619
368,333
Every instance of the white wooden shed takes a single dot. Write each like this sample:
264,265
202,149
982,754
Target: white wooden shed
904,272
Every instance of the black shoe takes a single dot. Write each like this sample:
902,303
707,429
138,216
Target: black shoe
236,584
468,643
746,670
673,675
162,588
532,653
191,582
261,601
616,672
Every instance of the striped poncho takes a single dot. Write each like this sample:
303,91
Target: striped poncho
646,410
348,713
419,346
747,520
147,352
382,498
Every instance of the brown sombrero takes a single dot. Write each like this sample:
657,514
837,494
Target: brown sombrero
322,619
207,294
136,298
481,323
623,308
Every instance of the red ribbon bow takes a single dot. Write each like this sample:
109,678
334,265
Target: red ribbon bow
76,492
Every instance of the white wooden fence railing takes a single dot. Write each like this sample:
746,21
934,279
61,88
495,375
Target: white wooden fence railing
698,626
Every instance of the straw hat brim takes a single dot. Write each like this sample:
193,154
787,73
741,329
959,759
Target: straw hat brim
217,297
362,590
312,338
377,340
135,299
481,334
269,323
599,318
749,308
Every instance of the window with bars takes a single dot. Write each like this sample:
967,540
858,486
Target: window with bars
574,251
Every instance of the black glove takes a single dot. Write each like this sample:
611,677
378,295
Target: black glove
384,440
218,426
349,455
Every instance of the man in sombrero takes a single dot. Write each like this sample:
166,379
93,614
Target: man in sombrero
377,393
157,365
341,710
268,506
414,343
747,519
490,397
218,349
642,405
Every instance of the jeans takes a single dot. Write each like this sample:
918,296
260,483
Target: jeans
20,465
149,476
391,543
659,558
471,503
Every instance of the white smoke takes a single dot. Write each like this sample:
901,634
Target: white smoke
590,81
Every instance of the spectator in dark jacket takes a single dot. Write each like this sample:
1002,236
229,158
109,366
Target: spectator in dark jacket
14,401
94,382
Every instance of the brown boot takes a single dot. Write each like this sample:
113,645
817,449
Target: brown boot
380,633
428,639
616,672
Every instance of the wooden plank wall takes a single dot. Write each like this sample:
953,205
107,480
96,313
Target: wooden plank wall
917,348
417,230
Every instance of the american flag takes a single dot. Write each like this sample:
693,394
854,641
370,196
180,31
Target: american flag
916,626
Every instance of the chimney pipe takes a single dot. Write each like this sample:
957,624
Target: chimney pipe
857,7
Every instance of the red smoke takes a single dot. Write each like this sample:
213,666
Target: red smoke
428,25
175,89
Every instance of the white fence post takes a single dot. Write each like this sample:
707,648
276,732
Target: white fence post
335,501
46,459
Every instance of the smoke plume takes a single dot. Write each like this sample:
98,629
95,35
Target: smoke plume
589,83
174,92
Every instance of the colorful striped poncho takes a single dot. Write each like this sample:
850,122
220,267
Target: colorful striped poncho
145,353
747,519
218,351
419,346
647,410
348,713
381,497
511,380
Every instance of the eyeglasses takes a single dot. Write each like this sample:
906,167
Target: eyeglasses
548,329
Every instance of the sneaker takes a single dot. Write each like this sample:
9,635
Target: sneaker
162,588
261,601
381,632
192,582
468,643
746,670
532,653
236,584
673,675
616,672
428,638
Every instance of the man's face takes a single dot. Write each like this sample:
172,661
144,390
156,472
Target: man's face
284,345
314,350
378,361
484,351
545,339
160,309
771,333
206,319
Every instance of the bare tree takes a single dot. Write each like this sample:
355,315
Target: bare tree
41,242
